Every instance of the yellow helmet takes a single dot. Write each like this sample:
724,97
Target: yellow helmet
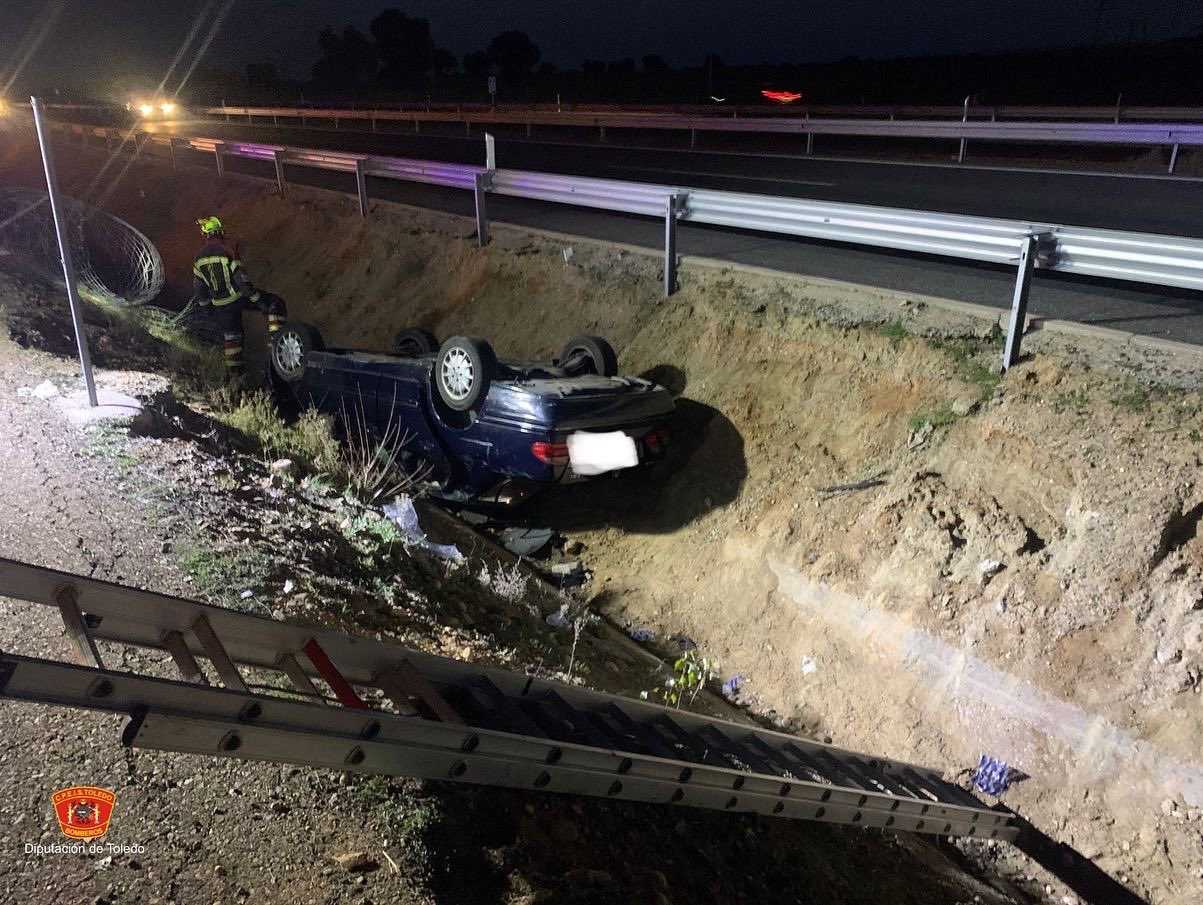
210,226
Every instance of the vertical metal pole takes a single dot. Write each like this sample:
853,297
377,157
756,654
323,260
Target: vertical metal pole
602,133
467,127
361,183
278,157
1119,100
482,213
810,143
672,209
964,119
693,138
221,164
490,153
171,146
64,248
1173,158
528,129
1019,302
373,124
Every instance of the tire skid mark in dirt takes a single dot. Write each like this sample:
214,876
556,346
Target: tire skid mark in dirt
1001,710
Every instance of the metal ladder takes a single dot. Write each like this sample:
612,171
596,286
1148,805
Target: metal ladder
354,703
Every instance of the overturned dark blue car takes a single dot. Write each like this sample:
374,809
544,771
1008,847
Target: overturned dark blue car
477,422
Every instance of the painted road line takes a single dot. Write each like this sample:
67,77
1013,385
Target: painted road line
721,175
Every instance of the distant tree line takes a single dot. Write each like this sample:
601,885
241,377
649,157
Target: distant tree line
398,59
399,53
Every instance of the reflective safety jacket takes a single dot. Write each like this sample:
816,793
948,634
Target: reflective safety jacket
219,277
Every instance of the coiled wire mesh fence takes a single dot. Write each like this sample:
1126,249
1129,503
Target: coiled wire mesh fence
115,264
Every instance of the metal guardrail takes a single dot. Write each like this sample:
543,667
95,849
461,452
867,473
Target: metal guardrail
807,123
1026,245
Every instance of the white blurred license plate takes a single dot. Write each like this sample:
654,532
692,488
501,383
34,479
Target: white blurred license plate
590,454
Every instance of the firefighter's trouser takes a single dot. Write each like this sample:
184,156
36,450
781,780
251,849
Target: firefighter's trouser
229,319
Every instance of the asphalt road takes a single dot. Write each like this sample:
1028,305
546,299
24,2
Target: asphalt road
1144,204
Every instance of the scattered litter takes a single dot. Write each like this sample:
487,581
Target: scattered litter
876,481
525,541
919,437
732,686
43,390
246,595
684,642
992,776
642,634
402,511
288,586
569,574
809,665
989,567
356,861
568,253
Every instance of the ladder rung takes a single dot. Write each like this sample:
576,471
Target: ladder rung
299,678
327,670
85,647
406,687
230,677
175,644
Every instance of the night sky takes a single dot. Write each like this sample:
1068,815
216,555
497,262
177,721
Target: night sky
101,40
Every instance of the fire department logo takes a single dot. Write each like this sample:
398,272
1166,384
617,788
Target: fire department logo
83,812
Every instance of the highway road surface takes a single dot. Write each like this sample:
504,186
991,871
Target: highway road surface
1147,204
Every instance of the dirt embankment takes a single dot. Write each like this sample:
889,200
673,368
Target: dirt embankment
1023,578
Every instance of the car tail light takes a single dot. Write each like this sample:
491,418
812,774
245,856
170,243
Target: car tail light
656,440
550,453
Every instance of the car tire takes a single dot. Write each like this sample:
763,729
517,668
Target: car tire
463,370
414,343
596,353
290,348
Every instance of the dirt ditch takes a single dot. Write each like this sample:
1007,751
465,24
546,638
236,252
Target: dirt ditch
891,546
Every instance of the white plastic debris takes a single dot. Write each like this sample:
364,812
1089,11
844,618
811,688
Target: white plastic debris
288,586
809,665
247,595
44,390
989,567
402,511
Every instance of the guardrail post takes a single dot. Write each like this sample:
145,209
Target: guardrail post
673,206
278,159
482,214
1019,302
1173,158
171,148
467,127
528,129
373,124
601,133
417,126
810,143
693,138
361,184
218,148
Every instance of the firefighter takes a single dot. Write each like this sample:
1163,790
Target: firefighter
219,279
